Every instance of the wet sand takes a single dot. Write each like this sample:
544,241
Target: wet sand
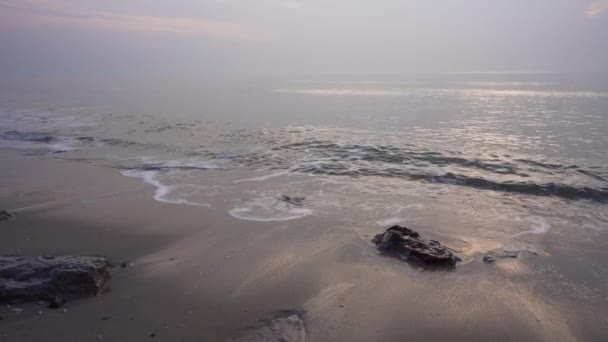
198,274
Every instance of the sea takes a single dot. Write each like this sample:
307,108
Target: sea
492,158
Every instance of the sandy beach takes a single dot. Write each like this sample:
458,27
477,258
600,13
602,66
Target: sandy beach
196,274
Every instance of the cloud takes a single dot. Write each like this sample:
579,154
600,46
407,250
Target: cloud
596,8
44,13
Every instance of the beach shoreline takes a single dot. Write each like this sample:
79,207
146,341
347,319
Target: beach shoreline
195,273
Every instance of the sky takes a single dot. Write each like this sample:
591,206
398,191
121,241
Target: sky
142,38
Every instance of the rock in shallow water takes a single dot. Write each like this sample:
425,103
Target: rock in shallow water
24,279
408,244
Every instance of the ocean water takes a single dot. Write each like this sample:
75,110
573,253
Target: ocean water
482,157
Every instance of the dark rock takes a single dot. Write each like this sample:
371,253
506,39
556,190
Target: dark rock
56,302
5,215
105,318
25,279
408,244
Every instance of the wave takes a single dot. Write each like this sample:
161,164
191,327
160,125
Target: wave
163,193
261,178
27,136
326,157
529,188
398,155
525,176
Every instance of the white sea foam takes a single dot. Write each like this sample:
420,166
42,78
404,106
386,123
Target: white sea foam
202,164
262,178
163,193
175,163
62,146
269,209
518,247
390,221
538,225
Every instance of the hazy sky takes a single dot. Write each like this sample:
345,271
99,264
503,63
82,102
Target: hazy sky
191,37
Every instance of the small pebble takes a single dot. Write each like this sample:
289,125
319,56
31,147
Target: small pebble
105,318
